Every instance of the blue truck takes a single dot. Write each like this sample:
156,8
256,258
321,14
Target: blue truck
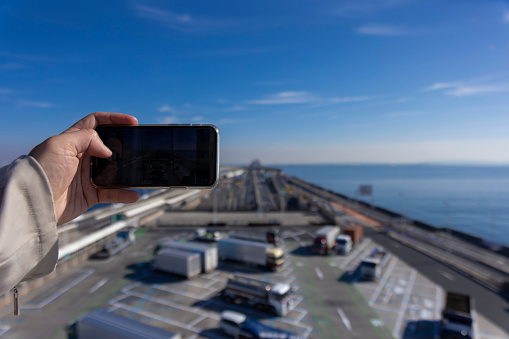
254,329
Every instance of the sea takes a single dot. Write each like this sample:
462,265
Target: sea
471,199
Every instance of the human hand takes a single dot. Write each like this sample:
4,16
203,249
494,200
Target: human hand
65,159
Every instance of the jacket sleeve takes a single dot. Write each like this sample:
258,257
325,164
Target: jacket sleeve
28,226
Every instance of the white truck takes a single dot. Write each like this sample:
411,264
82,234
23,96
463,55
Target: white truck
272,236
251,252
177,262
208,253
325,239
103,324
276,298
371,268
343,244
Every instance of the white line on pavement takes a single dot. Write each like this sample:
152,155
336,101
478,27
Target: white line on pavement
98,285
344,319
404,304
383,280
355,253
319,273
447,275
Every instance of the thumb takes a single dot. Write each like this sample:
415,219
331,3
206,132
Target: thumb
86,141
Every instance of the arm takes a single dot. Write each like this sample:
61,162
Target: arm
49,188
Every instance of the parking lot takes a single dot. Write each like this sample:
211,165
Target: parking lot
331,302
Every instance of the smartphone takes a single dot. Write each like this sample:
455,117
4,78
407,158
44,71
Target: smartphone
157,156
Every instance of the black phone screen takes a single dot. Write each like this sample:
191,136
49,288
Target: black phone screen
157,156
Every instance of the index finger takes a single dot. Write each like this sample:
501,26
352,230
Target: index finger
93,120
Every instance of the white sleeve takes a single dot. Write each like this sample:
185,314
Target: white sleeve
28,226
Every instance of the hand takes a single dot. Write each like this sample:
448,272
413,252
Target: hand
65,159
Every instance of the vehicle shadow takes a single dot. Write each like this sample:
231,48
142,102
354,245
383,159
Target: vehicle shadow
351,276
421,329
143,273
303,251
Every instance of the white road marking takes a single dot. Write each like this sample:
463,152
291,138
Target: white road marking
319,273
98,285
384,280
355,253
344,319
4,329
404,304
447,275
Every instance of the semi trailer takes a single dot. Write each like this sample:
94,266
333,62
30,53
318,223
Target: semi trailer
325,239
177,262
251,252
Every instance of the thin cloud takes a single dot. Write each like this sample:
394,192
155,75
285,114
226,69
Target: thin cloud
350,99
462,91
28,57
177,21
37,104
356,8
165,108
7,91
505,17
287,97
383,30
464,88
197,119
11,66
168,120
303,97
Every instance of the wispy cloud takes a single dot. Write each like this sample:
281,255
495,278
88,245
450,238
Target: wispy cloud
304,97
288,97
165,108
11,66
29,57
383,30
505,17
37,104
404,114
465,88
355,8
350,99
178,21
168,120
6,91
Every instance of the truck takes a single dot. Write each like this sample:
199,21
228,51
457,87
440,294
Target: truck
351,236
272,236
457,321
372,266
177,262
355,232
251,252
255,329
208,253
275,298
325,239
123,240
103,324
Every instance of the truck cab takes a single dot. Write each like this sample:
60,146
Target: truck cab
281,298
343,244
275,258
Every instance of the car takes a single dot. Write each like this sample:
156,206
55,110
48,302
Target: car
232,322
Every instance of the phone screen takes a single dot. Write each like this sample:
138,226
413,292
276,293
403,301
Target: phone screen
157,156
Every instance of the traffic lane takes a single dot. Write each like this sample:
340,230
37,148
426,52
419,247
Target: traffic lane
488,303
336,306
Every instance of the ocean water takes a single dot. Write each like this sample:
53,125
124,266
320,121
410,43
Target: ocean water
471,199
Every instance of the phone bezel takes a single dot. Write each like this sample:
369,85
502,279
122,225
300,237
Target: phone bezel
217,167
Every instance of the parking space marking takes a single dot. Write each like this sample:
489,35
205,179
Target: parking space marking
383,281
404,303
447,275
355,254
98,285
319,273
83,274
344,319
4,329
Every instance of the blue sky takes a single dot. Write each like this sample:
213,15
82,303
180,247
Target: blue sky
382,81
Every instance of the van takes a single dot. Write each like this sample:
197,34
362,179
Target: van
232,322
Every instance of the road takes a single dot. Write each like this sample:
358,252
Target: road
488,303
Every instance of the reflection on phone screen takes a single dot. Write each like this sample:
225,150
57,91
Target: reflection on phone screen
157,156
